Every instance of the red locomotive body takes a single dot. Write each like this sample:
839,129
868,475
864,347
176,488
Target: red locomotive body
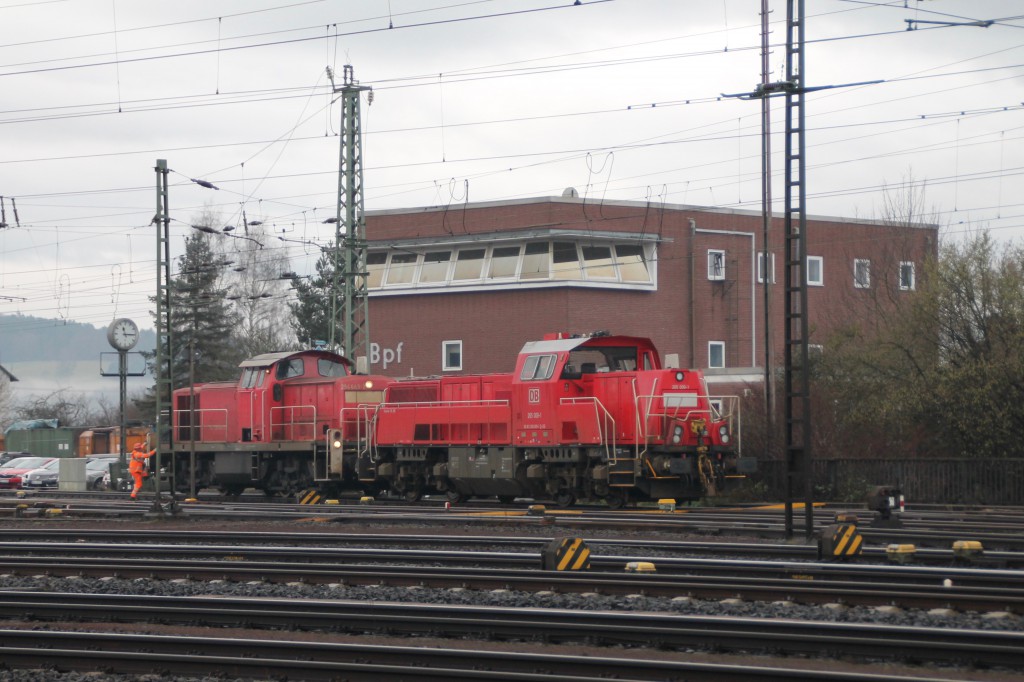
595,417
269,429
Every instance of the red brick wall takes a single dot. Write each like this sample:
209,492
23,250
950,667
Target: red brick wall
493,325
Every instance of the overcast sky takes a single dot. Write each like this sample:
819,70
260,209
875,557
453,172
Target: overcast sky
497,99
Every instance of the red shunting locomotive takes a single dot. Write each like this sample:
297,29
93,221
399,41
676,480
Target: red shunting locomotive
593,417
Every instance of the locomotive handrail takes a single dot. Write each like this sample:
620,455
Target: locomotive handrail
179,428
362,418
599,408
292,423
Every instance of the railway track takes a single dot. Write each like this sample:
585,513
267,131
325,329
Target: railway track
603,628
313,661
971,590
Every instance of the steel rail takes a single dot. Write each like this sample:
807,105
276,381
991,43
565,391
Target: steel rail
796,589
259,658
606,628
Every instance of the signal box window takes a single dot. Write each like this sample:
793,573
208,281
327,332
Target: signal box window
538,368
632,263
598,263
403,267
469,264
565,262
716,354
907,280
536,261
375,263
504,261
451,352
861,273
815,271
716,264
435,266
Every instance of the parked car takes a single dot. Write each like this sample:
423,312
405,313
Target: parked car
44,477
48,476
97,471
11,474
6,457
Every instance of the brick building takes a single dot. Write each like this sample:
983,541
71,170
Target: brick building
460,289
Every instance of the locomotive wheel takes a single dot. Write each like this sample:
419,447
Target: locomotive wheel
234,490
454,496
413,495
564,499
615,500
506,499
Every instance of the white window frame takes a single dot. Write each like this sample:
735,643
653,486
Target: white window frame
913,276
760,268
444,355
716,344
820,282
716,265
857,283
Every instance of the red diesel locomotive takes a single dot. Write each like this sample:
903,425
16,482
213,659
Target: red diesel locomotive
268,430
593,417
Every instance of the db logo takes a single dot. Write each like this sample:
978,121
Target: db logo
534,395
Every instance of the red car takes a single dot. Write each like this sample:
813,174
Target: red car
11,473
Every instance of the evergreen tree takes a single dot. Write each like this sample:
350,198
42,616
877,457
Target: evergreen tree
203,321
312,311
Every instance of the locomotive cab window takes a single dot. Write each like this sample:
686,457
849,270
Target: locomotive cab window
326,367
252,377
292,368
538,368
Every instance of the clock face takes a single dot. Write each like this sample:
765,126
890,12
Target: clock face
123,334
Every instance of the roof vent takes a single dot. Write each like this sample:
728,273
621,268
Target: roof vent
570,192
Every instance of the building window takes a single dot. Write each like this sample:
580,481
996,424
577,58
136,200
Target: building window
815,271
375,263
907,280
632,263
565,262
536,261
403,268
504,261
761,267
598,263
861,273
451,355
716,264
716,354
435,266
469,264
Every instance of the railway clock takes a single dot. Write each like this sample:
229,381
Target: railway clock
123,334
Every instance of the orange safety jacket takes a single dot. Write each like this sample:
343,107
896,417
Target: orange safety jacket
139,459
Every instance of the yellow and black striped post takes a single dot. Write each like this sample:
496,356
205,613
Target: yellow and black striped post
840,541
566,554
308,497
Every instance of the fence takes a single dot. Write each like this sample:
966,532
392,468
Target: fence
932,481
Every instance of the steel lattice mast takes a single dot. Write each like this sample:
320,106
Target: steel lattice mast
350,319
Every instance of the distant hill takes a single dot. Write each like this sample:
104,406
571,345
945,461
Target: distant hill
48,355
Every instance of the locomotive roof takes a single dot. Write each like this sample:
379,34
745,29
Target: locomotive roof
268,359
562,345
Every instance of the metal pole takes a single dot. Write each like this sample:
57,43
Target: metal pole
122,375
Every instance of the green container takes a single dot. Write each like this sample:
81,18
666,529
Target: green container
59,442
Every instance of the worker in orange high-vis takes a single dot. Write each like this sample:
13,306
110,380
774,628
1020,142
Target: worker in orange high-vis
137,467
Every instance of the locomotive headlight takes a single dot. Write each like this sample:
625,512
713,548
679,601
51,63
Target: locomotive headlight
677,434
368,384
723,433
679,376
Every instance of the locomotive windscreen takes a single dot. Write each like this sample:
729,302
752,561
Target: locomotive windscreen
605,359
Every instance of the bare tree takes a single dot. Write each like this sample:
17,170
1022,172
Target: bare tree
68,408
258,284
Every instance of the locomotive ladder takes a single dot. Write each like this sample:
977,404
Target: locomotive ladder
797,389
